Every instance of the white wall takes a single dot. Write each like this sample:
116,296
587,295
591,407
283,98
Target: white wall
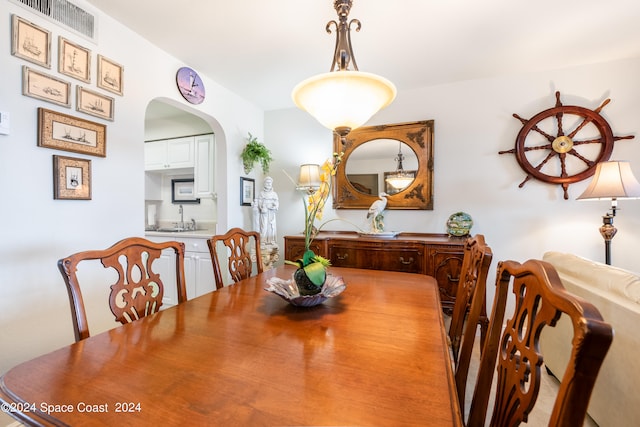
473,121
36,230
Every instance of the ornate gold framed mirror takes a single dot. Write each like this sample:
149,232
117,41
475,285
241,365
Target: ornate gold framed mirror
375,156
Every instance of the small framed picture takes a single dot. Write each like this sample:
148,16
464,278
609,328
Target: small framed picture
247,191
94,103
110,75
68,133
45,87
74,60
183,191
30,42
71,178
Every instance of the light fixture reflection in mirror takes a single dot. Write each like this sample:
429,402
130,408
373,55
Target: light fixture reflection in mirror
400,179
371,163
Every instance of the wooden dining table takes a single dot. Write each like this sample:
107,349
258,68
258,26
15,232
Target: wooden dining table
375,355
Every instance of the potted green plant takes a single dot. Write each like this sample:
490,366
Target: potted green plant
254,152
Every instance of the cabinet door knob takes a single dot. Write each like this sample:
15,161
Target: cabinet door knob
410,261
343,257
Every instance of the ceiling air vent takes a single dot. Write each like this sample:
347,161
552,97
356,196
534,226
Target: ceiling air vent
66,13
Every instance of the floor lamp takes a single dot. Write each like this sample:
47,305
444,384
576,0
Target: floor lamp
612,181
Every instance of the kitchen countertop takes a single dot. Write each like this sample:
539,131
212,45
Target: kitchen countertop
201,234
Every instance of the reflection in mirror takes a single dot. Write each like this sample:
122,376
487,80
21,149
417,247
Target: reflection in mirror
374,156
387,155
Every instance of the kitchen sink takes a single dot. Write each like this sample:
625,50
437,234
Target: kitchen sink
176,229
172,230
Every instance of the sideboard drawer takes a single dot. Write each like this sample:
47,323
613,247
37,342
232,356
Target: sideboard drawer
341,256
409,261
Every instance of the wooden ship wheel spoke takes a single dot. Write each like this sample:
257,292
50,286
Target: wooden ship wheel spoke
588,142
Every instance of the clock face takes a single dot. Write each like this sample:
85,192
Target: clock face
190,85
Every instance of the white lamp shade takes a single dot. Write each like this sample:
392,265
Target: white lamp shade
343,98
309,177
612,180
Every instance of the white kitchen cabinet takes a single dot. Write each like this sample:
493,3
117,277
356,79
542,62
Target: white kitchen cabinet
195,153
198,268
175,153
166,267
204,170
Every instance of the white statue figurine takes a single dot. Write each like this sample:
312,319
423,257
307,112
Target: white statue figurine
265,208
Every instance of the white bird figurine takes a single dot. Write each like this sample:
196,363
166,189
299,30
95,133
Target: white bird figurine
375,212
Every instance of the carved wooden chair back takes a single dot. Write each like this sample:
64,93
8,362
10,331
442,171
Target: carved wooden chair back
470,306
239,244
540,300
138,290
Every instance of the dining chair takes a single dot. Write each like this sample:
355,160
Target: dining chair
138,290
238,245
539,301
469,309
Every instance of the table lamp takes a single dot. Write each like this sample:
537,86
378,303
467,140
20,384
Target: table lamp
309,178
612,180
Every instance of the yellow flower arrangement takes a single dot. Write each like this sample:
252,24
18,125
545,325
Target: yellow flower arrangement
314,265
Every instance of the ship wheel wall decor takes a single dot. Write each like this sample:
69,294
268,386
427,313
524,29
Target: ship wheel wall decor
563,144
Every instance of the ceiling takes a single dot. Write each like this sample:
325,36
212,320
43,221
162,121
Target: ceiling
261,49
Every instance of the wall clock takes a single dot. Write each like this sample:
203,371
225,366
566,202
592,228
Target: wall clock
563,144
190,85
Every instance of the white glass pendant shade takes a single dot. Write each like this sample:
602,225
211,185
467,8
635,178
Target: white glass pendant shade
343,99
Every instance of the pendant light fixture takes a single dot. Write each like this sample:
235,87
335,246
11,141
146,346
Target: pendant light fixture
399,179
344,98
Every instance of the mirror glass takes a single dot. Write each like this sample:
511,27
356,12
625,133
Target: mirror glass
380,155
370,160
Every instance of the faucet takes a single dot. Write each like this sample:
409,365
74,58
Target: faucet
180,211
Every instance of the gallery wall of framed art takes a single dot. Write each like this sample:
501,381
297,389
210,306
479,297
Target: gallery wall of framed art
82,77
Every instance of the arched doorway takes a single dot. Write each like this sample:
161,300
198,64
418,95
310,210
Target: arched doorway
167,120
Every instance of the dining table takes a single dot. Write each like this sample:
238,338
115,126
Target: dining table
375,355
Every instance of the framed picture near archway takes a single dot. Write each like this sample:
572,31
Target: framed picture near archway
74,60
110,75
30,42
64,132
94,103
247,191
45,87
71,178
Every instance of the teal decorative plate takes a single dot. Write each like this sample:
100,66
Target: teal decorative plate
459,224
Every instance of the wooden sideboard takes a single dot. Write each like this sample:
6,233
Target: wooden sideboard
437,255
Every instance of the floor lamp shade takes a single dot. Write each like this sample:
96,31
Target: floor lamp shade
612,181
